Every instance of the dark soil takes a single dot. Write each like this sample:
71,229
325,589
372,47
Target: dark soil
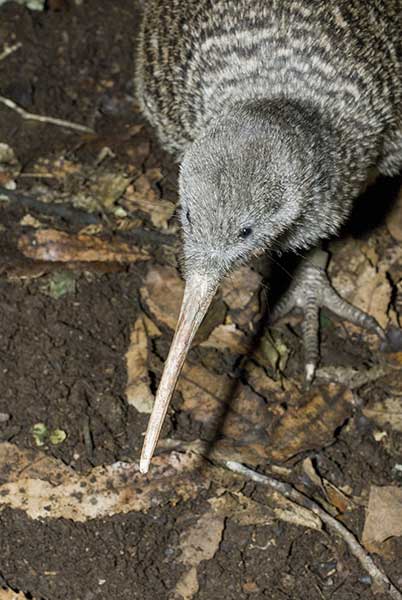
62,360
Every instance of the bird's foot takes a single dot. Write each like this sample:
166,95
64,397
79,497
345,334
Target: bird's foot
310,291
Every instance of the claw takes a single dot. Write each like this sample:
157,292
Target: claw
310,291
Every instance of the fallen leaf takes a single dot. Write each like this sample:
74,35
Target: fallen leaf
361,278
108,188
208,395
9,166
240,292
30,221
162,294
385,412
272,351
10,595
141,195
138,390
334,495
250,587
45,488
200,542
312,425
227,337
383,517
59,246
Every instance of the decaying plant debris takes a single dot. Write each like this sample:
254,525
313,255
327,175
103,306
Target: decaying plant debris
90,292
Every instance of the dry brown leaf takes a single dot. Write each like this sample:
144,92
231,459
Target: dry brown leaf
240,288
333,494
9,166
227,337
10,595
162,294
59,167
30,221
386,412
273,391
200,542
108,188
336,497
45,488
312,425
141,195
59,246
362,279
383,517
240,292
207,395
138,390
245,511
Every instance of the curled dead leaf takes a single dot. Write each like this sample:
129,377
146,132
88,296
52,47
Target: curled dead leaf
59,246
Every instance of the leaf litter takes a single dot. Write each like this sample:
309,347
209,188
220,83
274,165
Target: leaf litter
266,418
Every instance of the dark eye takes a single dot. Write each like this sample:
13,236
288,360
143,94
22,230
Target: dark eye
245,232
188,216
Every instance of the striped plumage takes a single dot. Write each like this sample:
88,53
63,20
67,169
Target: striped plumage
198,59
197,56
278,111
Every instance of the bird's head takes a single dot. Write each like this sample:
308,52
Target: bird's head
245,186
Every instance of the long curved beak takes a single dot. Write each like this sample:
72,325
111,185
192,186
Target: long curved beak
198,295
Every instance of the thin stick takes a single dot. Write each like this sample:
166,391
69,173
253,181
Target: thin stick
53,121
9,50
285,489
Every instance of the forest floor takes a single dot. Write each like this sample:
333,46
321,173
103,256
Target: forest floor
90,289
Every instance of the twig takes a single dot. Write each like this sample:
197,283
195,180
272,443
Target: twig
379,578
9,50
53,121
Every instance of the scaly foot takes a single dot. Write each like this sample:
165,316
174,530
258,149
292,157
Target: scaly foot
310,291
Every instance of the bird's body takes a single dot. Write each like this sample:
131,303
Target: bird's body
199,57
277,110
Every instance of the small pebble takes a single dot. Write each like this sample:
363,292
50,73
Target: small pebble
4,417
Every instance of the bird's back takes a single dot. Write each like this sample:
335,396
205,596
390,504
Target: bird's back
198,57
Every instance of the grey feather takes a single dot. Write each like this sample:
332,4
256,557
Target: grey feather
277,111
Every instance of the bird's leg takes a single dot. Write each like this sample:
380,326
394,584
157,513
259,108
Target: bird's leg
310,291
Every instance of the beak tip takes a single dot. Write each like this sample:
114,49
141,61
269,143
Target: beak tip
144,465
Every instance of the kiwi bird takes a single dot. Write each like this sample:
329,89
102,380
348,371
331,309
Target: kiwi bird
277,111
